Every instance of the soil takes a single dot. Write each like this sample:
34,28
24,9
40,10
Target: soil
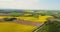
25,22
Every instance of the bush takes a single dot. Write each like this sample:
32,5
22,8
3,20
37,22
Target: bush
9,19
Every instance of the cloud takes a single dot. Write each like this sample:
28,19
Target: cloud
5,0
30,4
18,4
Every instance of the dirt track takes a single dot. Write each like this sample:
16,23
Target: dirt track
26,22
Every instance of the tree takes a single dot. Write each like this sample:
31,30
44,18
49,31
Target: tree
49,26
14,14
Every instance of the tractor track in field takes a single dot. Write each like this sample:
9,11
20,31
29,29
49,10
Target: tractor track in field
29,23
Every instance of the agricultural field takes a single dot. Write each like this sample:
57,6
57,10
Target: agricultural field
13,27
39,19
25,21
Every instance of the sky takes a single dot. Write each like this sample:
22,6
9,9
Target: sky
30,4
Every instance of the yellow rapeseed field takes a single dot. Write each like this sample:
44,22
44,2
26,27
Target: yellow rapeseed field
13,27
1,17
40,19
